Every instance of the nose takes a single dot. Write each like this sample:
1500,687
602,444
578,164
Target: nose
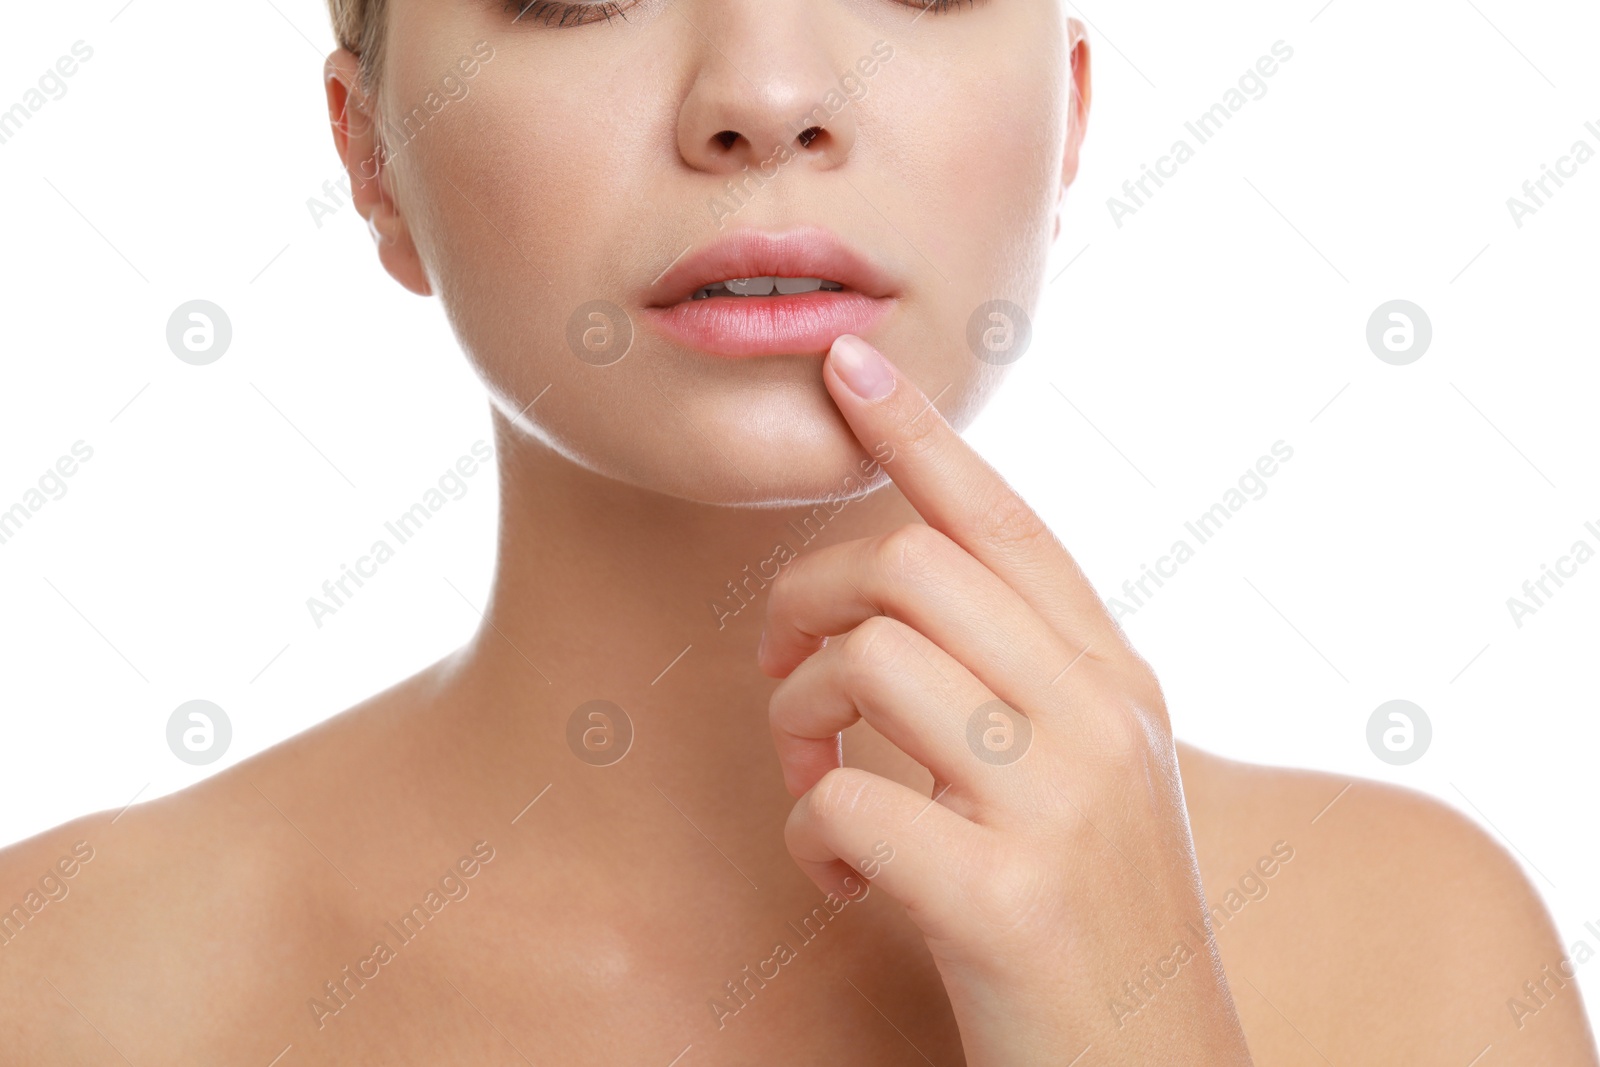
764,90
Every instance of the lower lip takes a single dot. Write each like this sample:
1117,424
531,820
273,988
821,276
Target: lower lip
798,324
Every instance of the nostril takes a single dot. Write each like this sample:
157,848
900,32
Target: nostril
727,138
809,135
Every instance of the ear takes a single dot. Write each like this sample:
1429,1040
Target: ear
1078,45
366,161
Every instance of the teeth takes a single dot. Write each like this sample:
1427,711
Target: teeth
766,287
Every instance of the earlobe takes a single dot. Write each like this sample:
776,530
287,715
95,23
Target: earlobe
365,159
396,251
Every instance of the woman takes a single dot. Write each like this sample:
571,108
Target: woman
734,273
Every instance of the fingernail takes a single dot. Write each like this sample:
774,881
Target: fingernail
761,646
862,368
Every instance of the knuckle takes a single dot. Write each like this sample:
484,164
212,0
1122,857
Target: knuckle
839,794
1141,694
1153,702
914,553
923,436
1011,522
1013,890
1125,735
871,646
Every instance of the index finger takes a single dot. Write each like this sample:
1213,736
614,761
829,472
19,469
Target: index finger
957,493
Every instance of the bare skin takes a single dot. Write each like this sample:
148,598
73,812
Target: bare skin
627,913
617,906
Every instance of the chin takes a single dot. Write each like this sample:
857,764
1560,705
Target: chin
770,441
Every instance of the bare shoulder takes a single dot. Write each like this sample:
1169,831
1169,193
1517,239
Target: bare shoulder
196,906
1357,918
117,920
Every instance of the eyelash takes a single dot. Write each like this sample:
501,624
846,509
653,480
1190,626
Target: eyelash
559,12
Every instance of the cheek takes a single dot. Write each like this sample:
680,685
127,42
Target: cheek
512,197
972,169
1001,180
526,212
978,147
519,211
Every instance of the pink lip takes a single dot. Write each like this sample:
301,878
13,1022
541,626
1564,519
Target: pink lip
797,324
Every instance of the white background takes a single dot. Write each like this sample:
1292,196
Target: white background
1227,314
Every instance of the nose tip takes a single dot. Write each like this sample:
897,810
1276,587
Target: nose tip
765,90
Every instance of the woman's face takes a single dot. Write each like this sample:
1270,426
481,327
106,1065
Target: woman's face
556,176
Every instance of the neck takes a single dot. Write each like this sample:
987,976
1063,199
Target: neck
608,591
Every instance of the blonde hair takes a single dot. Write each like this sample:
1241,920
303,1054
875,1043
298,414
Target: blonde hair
358,27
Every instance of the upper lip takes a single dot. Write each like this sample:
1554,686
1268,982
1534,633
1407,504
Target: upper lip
805,252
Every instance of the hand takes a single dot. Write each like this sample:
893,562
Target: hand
1054,877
